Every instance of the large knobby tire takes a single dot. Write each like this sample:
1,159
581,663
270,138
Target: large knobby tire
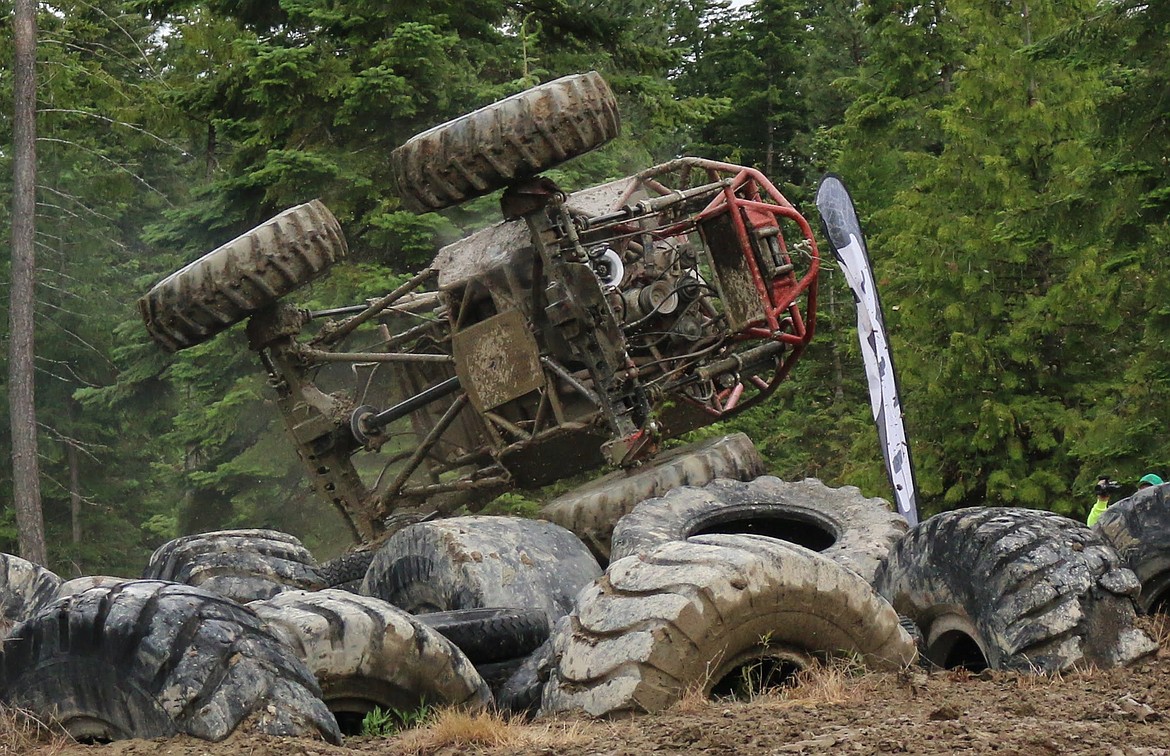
591,510
839,523
694,615
481,562
149,659
511,139
25,589
1015,589
243,565
84,583
1139,528
366,653
242,277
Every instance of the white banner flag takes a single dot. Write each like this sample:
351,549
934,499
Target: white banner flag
844,231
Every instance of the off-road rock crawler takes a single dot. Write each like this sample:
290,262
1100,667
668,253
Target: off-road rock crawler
584,329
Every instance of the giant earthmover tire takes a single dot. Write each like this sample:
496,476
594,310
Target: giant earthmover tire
839,523
698,614
512,139
366,653
1139,528
244,565
25,589
1014,589
242,277
149,659
481,562
591,510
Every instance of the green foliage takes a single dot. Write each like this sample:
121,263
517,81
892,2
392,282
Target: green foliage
384,724
1008,161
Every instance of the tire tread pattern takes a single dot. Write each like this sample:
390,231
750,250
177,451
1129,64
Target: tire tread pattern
1043,592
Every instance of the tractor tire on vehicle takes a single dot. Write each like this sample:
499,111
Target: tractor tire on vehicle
243,565
366,653
242,277
1139,528
1015,589
839,523
481,562
489,636
25,589
149,659
699,614
592,510
509,140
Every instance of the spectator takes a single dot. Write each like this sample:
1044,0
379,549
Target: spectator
1149,479
1103,489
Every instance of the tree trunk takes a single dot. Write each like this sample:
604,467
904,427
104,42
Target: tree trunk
26,487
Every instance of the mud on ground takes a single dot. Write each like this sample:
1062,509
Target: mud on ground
1124,712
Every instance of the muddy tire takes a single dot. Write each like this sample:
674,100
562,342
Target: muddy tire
25,589
512,139
839,523
347,571
1015,589
366,653
481,563
1139,528
82,584
491,635
242,277
149,659
693,615
591,510
243,565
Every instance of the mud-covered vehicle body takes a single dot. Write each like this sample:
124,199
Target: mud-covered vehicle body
582,330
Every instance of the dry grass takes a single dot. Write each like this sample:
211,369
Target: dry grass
22,734
488,731
838,680
829,683
1158,627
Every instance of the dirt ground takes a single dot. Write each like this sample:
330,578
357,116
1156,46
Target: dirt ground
1125,712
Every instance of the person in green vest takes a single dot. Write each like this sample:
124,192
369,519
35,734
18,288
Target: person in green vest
1104,487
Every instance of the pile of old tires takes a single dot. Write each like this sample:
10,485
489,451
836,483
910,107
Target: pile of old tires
707,589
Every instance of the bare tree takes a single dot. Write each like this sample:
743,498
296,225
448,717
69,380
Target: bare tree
21,313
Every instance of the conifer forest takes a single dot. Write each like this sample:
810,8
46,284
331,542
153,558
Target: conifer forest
1009,161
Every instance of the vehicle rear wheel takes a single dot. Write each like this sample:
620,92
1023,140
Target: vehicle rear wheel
149,659
509,140
481,562
840,523
243,565
1139,528
592,510
1014,589
242,277
708,613
366,653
